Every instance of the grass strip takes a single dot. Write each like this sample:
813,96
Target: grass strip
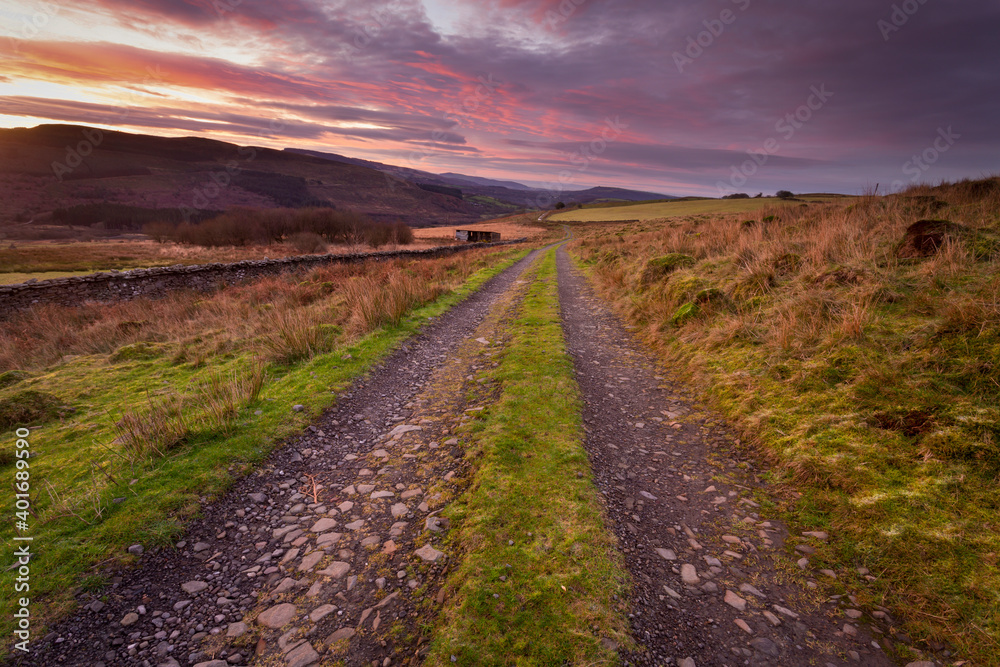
89,505
540,579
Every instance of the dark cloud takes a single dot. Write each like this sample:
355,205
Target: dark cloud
526,83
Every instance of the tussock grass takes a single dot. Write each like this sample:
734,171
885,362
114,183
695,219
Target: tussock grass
532,516
174,399
866,375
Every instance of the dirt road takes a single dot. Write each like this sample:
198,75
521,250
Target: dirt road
339,534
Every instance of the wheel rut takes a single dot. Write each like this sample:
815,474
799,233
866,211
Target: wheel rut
331,552
712,582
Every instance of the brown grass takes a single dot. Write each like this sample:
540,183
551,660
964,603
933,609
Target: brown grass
510,228
284,318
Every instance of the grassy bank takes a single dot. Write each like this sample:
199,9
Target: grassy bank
679,208
539,576
163,404
863,361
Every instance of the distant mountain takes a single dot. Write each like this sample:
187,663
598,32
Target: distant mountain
476,180
511,194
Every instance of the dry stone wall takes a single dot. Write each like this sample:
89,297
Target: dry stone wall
115,286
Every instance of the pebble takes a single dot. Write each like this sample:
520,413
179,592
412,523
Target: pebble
743,626
136,549
666,554
336,569
429,553
235,630
277,616
735,601
130,618
194,587
689,575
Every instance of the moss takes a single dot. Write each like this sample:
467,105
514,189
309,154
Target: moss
658,267
13,377
136,352
28,407
686,312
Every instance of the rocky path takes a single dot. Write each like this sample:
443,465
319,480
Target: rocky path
713,582
329,553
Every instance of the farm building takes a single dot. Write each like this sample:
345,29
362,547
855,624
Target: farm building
476,236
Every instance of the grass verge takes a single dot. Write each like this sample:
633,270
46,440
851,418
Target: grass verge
861,357
145,435
540,579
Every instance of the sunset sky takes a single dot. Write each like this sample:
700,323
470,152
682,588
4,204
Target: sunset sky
659,95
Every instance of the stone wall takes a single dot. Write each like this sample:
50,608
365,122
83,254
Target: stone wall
125,285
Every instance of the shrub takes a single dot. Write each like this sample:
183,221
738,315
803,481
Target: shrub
658,267
784,194
309,242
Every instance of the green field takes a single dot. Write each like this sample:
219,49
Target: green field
13,278
681,208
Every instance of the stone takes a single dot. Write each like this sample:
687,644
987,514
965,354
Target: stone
666,554
336,569
130,618
766,646
772,619
310,561
194,587
382,494
235,630
402,429
398,510
346,506
647,495
850,630
213,663
200,546
786,612
752,590
365,488
277,616
735,601
406,495
671,592
356,525
921,663
742,625
136,549
323,525
853,613
328,539
319,613
818,534
689,575
380,454
298,408
350,491
340,635
435,524
429,553
686,662
302,656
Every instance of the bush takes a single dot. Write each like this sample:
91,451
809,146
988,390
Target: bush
737,195
658,267
784,194
310,242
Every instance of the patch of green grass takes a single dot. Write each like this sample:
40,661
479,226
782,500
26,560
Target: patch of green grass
93,495
532,517
677,208
13,278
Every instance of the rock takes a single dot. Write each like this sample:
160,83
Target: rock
786,612
742,625
398,510
850,630
298,408
829,573
853,613
200,546
429,553
686,662
235,630
286,585
365,488
666,554
323,525
258,498
647,495
130,618
671,592
136,549
356,525
336,569
766,646
772,619
382,494
752,590
339,635
818,534
194,587
921,663
319,613
380,454
436,524
169,663
406,495
213,663
735,601
302,656
310,561
398,432
346,506
277,616
689,575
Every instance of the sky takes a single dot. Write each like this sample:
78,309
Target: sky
676,97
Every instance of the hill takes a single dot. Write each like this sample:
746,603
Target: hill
52,167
